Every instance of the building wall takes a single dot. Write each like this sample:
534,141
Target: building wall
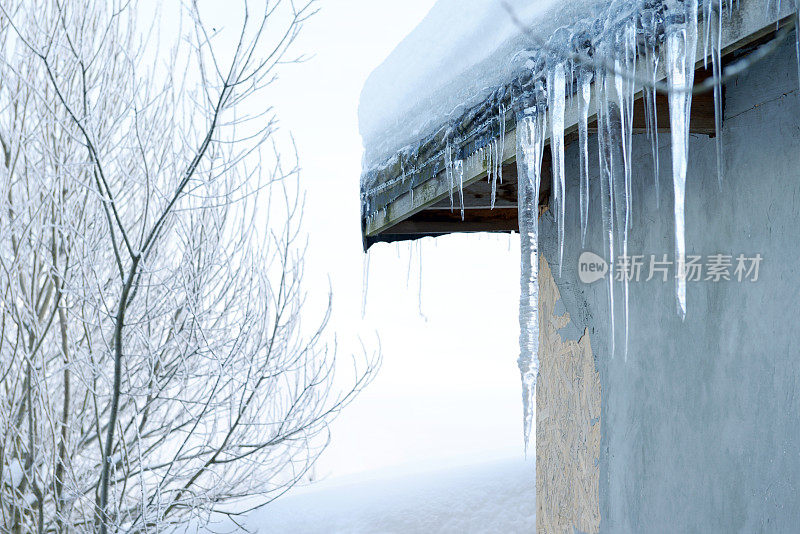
567,419
700,428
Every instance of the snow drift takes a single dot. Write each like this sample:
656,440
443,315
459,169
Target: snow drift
491,498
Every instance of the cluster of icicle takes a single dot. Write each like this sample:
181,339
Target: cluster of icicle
606,54
658,38
490,157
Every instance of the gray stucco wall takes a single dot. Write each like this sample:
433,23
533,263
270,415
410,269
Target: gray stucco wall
701,424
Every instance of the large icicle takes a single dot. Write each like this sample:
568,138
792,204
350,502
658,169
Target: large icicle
651,111
584,98
712,15
556,89
608,144
530,146
681,47
624,84
716,61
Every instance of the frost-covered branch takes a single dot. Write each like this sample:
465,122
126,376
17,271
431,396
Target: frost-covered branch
155,366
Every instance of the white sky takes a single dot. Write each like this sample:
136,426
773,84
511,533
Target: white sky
448,391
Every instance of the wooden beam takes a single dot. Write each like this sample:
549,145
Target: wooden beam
443,221
435,190
702,117
479,193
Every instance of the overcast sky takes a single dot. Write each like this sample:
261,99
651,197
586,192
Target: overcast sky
448,391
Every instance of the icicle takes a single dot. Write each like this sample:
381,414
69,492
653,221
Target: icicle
624,84
459,171
584,98
607,140
652,114
646,100
626,106
419,288
681,47
651,21
410,262
448,163
716,63
707,8
492,169
530,147
365,285
502,148
556,88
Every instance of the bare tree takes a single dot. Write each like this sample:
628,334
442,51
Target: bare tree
154,365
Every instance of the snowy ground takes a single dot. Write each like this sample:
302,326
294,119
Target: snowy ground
494,497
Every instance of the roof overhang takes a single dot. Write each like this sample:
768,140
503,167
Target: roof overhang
409,198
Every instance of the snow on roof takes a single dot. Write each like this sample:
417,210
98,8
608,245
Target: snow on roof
461,52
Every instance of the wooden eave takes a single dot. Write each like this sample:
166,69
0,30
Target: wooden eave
424,208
